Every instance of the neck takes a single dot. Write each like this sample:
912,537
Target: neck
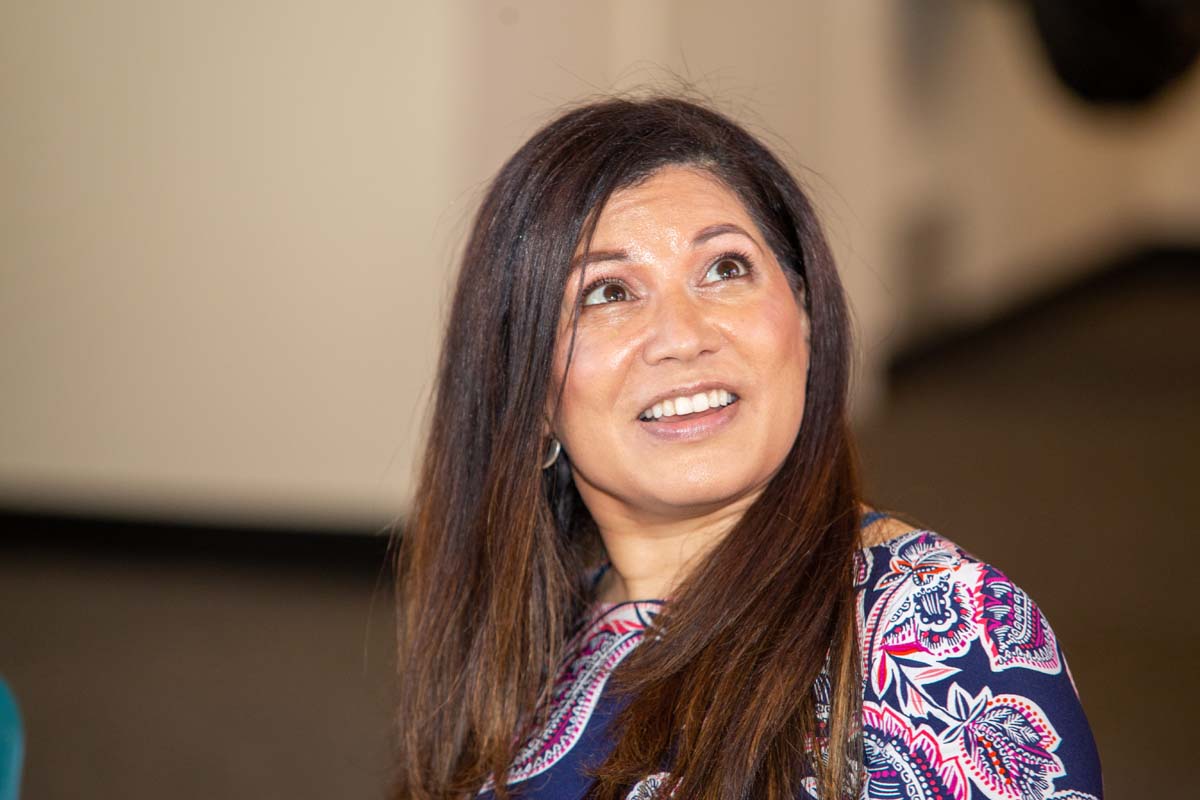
651,555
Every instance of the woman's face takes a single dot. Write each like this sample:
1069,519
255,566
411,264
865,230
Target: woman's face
683,298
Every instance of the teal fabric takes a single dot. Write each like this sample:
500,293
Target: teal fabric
12,744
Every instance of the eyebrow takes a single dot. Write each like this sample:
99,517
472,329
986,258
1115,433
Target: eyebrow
712,231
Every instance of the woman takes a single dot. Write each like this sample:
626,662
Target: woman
639,457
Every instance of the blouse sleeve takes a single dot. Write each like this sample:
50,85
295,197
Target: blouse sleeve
966,691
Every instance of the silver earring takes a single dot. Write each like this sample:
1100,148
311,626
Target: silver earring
555,449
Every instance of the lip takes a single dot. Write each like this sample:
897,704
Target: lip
693,426
688,389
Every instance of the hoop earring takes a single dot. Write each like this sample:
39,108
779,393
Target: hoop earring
555,449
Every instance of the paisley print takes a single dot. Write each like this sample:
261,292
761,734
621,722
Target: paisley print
926,611
966,693
905,761
1016,633
929,605
603,645
1007,744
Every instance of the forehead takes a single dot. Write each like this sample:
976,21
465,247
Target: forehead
672,202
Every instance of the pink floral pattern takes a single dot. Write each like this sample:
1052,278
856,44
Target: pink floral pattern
1006,744
960,673
904,760
1016,633
926,611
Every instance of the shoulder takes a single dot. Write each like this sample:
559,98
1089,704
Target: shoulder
919,584
963,673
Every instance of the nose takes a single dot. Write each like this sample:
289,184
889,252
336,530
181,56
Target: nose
680,328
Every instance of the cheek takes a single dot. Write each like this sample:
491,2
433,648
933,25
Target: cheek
594,382
781,353
775,338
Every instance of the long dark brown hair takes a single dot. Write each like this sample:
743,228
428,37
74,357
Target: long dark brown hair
493,562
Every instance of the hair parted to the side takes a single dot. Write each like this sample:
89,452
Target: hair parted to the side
492,563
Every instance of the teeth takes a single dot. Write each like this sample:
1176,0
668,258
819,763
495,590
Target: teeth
689,404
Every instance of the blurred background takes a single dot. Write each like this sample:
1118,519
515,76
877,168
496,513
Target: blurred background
228,235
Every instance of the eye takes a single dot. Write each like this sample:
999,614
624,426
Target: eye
729,266
603,291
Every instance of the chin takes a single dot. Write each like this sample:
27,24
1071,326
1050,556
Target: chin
703,494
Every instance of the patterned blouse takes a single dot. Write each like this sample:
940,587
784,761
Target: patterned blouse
966,693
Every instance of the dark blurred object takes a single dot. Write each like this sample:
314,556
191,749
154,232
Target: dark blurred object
1118,52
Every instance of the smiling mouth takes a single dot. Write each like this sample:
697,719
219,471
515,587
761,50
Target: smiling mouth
690,407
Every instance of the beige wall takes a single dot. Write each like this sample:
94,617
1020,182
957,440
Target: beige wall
228,231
